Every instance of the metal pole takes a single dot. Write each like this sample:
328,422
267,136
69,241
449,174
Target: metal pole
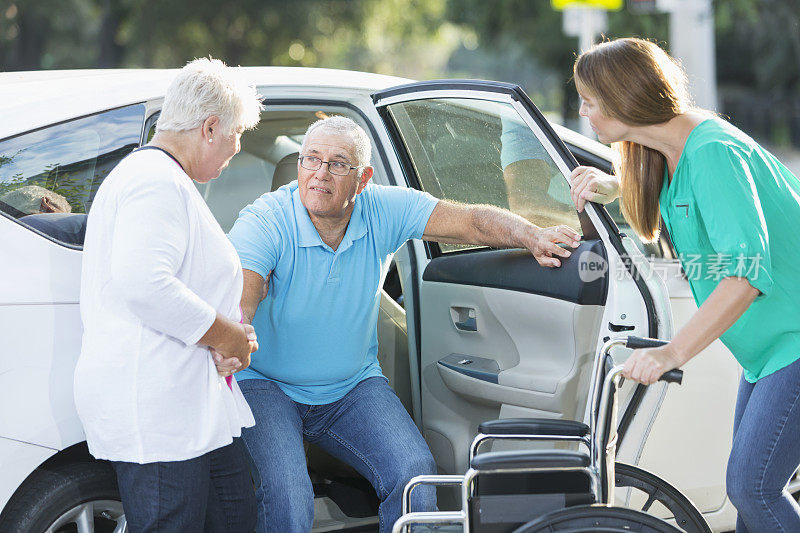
691,39
586,24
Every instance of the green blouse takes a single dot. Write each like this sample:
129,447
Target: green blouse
732,209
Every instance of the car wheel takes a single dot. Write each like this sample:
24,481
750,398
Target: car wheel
75,498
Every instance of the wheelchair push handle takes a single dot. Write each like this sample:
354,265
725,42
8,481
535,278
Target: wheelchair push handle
673,376
635,343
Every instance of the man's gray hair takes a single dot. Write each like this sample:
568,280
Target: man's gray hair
28,199
206,87
339,125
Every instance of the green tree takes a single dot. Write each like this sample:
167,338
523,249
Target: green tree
758,67
37,34
758,44
242,32
536,29
532,26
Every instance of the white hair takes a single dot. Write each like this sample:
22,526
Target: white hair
206,87
28,199
339,125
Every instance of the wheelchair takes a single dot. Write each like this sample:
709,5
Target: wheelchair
558,489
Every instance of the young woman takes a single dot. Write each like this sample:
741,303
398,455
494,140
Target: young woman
731,208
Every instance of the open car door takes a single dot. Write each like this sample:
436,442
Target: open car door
491,333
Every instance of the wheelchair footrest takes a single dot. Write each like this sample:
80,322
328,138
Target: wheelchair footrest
536,459
534,426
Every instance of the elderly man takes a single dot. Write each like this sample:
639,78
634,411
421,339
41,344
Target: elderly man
325,243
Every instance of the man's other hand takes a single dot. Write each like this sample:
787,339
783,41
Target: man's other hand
545,244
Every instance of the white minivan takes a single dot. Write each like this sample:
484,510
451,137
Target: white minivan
533,330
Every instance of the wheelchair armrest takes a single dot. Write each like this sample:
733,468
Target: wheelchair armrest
535,459
534,426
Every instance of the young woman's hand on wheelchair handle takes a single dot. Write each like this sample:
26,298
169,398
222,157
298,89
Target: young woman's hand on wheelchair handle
647,365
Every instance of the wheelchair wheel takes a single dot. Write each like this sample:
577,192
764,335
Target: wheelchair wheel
597,518
687,517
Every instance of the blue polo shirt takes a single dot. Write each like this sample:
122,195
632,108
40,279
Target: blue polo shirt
317,327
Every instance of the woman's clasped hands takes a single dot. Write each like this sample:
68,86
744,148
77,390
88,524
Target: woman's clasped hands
233,355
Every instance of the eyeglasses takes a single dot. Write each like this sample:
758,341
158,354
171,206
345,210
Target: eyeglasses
337,168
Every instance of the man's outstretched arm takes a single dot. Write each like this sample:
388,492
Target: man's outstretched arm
498,228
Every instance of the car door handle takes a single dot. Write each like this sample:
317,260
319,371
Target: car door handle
464,318
620,327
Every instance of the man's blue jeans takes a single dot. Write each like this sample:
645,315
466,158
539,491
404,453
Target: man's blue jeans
766,452
211,493
369,429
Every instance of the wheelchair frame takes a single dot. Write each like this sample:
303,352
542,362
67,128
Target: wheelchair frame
598,465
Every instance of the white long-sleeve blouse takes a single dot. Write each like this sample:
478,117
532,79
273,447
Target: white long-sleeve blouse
157,268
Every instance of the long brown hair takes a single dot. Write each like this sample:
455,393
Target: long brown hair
637,83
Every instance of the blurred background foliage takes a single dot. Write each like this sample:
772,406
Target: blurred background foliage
758,43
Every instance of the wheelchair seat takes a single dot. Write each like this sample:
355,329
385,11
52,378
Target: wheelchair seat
530,460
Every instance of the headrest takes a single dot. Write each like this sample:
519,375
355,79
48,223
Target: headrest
285,171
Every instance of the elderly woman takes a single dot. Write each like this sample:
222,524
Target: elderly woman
160,295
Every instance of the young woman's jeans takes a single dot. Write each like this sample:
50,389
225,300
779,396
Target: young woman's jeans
369,429
211,493
766,452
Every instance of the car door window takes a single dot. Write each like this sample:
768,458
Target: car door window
48,177
483,152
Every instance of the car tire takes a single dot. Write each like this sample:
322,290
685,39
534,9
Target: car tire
77,497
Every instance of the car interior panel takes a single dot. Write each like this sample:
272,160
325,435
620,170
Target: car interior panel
517,270
498,330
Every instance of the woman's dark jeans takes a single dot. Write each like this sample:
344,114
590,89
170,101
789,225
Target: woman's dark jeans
212,493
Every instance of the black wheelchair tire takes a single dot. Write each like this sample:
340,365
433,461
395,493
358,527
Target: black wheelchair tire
688,517
597,519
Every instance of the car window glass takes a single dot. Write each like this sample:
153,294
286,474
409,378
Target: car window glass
267,160
656,250
151,128
651,250
48,177
483,152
